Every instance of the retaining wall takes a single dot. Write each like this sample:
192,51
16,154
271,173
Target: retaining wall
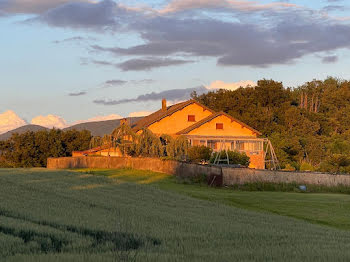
230,176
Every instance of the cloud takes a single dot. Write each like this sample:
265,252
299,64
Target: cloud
97,16
245,33
149,63
140,113
143,81
50,121
142,64
330,59
171,95
230,86
9,120
115,82
331,8
183,5
272,37
78,39
80,93
32,6
118,82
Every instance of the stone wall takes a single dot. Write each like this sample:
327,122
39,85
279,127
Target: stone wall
153,164
233,176
230,176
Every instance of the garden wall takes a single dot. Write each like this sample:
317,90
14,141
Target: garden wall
153,164
233,176
230,176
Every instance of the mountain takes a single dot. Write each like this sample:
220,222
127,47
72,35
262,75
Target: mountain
99,128
21,130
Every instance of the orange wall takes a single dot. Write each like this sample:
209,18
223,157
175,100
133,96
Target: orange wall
230,128
179,121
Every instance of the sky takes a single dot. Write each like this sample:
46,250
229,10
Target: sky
68,61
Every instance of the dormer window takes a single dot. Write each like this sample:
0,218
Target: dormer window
219,126
191,118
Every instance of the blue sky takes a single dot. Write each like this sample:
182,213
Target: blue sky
82,59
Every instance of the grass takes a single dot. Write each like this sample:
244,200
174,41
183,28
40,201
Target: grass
129,215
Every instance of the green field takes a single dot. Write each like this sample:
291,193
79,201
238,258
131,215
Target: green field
128,215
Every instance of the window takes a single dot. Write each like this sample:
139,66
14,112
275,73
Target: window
212,144
191,118
219,126
240,145
233,146
252,146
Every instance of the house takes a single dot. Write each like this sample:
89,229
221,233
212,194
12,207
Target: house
203,126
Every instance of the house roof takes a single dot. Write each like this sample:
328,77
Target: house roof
160,114
211,117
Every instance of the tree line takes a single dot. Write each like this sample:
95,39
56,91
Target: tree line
31,149
309,126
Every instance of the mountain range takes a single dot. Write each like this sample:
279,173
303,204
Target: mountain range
98,128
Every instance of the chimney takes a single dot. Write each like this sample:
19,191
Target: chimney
123,121
164,104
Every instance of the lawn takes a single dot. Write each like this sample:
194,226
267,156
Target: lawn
129,215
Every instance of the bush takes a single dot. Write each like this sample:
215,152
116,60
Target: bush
235,157
289,167
148,144
337,163
306,167
199,153
178,148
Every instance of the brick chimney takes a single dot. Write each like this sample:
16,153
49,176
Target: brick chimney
164,104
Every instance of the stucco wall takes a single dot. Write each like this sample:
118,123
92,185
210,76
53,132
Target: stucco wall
179,121
231,128
231,176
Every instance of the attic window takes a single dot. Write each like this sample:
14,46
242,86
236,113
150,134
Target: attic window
219,126
191,118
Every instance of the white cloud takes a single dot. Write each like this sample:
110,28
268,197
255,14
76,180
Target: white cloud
99,118
50,121
9,120
230,86
140,113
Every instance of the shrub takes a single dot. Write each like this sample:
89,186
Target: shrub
199,153
289,167
235,157
178,148
306,167
166,139
336,163
148,144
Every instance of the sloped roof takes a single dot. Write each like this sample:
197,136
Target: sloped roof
211,117
160,114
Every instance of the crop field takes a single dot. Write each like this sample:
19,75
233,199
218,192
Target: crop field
129,215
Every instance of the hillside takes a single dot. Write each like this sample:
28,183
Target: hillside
99,128
22,130
102,127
